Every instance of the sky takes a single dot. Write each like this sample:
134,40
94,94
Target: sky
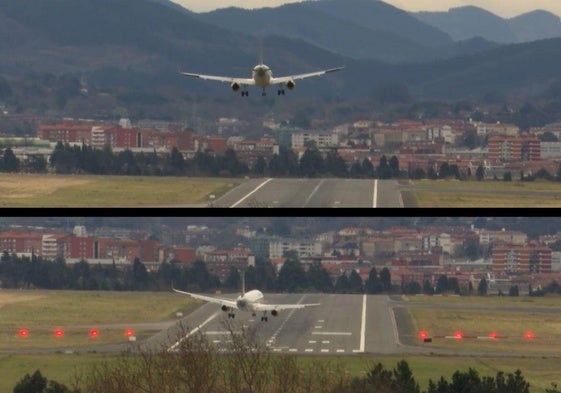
503,8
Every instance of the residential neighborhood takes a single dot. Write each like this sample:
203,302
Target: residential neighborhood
502,257
421,148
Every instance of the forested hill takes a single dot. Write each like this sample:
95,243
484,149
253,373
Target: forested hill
141,44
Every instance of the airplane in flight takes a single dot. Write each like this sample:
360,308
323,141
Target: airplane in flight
250,301
262,77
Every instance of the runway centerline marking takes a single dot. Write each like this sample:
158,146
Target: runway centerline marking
363,324
252,192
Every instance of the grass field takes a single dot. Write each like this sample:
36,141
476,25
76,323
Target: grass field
76,312
487,193
25,190
510,326
111,313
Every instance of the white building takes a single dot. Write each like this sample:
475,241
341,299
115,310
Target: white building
304,248
299,139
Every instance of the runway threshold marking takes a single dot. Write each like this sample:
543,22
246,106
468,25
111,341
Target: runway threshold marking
252,192
363,324
332,333
195,330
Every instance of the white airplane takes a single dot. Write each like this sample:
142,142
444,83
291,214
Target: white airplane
250,301
262,77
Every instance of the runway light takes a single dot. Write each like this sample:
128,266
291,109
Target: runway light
423,334
94,333
59,333
458,335
493,335
129,333
23,333
529,335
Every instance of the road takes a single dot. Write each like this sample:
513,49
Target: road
321,193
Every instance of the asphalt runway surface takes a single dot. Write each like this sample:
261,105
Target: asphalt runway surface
320,193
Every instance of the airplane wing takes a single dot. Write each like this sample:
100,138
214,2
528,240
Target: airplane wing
228,79
284,79
270,307
223,302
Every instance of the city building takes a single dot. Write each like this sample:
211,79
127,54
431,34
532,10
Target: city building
521,259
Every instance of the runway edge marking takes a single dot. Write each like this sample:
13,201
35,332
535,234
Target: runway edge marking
363,324
252,192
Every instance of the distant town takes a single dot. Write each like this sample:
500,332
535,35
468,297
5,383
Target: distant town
440,148
440,258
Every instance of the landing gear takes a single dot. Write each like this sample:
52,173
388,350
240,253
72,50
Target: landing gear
245,93
264,318
264,93
280,92
231,315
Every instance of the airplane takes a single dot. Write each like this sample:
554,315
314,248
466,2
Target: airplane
262,77
250,301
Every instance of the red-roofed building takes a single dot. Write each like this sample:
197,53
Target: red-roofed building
21,242
516,259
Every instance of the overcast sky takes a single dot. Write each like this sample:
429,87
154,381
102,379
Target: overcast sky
504,8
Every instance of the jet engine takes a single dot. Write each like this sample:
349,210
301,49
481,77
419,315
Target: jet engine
235,86
275,313
226,308
290,84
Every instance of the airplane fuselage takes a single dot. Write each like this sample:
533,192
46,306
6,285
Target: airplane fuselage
262,75
250,298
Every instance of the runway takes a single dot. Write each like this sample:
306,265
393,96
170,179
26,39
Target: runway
314,193
340,325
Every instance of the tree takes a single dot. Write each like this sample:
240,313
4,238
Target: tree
383,171
35,383
444,170
319,278
394,166
260,166
386,280
442,284
367,168
291,276
342,284
355,282
10,163
312,163
373,284
428,288
513,291
482,287
480,173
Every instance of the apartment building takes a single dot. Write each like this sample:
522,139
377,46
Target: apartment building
514,148
517,259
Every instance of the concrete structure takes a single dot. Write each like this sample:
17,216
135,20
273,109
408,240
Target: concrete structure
514,148
304,248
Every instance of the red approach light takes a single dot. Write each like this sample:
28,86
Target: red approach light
529,335
493,335
23,333
129,333
458,334
423,334
94,333
59,333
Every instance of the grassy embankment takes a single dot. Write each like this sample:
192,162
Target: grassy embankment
487,193
22,190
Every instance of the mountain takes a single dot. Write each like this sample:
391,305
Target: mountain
463,23
535,25
305,21
140,44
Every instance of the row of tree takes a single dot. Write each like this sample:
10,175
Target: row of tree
37,272
84,159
